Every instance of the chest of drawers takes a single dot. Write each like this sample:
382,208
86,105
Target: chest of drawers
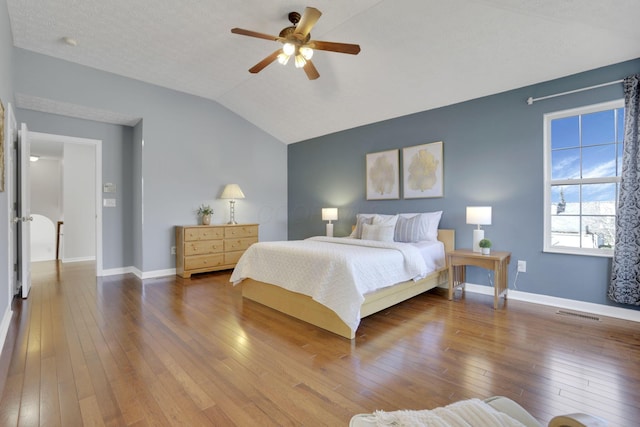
203,248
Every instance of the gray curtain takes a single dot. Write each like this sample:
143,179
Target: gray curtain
625,270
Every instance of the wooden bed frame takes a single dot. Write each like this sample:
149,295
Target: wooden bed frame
303,307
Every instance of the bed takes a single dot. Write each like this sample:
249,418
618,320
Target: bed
312,294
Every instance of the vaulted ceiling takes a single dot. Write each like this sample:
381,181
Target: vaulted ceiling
416,54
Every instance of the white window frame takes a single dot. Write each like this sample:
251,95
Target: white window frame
548,183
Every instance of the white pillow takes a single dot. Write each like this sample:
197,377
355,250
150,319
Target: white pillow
418,227
385,220
360,220
434,223
382,233
365,218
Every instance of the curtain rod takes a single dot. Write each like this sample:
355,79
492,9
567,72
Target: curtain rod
531,100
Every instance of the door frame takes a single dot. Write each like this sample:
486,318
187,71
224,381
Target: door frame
47,137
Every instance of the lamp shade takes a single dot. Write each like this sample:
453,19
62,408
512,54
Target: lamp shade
479,215
232,191
329,214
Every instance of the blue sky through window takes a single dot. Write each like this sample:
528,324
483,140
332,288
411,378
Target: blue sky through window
584,162
585,146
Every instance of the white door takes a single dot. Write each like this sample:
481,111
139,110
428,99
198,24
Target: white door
24,212
11,137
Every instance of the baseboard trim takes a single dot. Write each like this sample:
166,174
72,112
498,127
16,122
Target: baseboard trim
79,259
588,307
138,273
116,271
158,273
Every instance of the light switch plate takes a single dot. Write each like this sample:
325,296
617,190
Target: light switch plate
109,188
109,203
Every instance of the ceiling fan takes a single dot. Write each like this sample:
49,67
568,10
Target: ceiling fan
296,41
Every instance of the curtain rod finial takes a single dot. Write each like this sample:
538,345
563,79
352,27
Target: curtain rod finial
530,100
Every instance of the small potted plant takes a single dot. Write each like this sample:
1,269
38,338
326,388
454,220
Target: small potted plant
485,246
205,212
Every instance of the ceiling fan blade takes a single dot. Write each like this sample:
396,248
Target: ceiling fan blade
307,21
266,61
310,69
254,34
352,49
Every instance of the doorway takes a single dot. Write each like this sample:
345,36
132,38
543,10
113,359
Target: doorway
76,165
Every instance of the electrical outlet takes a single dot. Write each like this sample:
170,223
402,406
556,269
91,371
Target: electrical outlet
173,250
522,266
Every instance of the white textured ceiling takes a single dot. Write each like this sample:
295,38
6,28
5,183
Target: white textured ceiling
416,54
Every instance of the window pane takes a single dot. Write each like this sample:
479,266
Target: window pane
599,161
565,231
599,199
598,128
558,202
565,164
565,200
586,150
620,114
565,133
599,231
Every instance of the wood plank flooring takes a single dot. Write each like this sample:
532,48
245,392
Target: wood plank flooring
118,351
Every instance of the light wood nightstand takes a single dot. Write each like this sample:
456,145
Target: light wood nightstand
496,261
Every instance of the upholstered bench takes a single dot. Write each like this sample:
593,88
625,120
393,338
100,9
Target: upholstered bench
493,412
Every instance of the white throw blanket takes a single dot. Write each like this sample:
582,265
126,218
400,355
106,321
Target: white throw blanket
466,413
336,272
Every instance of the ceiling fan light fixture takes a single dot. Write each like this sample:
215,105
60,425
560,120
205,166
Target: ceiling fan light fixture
295,40
289,48
306,52
283,58
300,61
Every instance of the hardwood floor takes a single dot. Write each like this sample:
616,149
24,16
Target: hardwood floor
118,351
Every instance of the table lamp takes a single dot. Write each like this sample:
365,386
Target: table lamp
233,192
479,215
329,214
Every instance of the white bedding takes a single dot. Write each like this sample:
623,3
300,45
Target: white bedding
337,272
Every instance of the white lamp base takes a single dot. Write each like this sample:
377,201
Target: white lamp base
477,236
329,230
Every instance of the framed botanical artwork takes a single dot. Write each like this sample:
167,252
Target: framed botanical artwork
422,171
383,175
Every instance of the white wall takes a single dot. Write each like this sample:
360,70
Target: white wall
46,188
79,202
46,200
43,239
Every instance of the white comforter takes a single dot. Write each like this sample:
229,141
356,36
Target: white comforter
466,413
336,272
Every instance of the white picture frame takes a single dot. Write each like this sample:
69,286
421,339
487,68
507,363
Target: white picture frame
383,175
423,171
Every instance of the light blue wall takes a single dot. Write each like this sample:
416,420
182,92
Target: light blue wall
117,153
6,95
192,148
493,155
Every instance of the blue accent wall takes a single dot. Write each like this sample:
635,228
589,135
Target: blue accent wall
493,155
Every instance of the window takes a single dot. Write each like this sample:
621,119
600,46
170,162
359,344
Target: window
583,158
